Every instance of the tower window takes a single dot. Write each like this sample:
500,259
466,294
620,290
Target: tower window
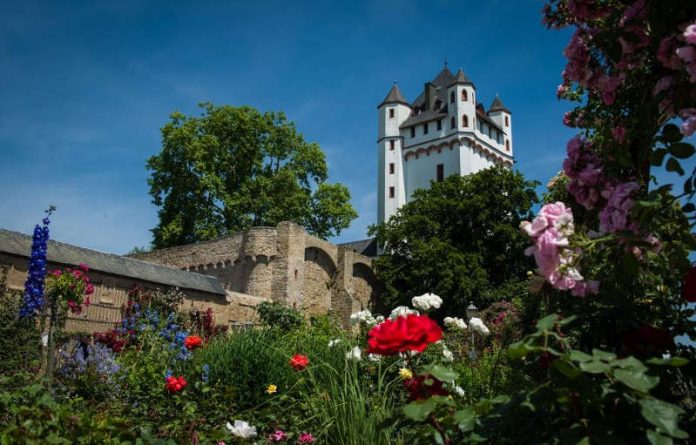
439,124
507,144
391,192
453,123
507,122
452,97
465,95
391,144
391,112
425,128
413,132
465,120
391,168
440,172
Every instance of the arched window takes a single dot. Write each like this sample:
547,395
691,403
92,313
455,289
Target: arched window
465,95
507,122
452,97
465,120
507,144
453,123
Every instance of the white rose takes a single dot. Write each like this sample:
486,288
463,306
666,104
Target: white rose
242,429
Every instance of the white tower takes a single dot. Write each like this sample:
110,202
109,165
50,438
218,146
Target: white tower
392,112
502,116
444,132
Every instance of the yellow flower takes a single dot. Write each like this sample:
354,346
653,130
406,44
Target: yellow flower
405,373
272,389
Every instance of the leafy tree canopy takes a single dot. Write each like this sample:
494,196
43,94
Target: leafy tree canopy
459,239
234,167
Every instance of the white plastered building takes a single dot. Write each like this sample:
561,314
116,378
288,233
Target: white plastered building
445,131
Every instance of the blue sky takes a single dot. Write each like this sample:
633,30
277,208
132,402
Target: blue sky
85,87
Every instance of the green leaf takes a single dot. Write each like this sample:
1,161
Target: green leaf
663,415
595,367
546,323
631,363
603,355
688,207
672,361
671,133
420,409
658,156
656,438
466,418
579,356
443,374
681,150
566,369
674,166
518,350
636,379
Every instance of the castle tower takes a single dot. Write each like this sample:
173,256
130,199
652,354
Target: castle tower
502,116
445,131
392,112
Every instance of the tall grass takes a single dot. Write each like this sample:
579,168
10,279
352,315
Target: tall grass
352,408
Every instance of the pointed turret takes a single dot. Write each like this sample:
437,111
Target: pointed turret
497,105
394,97
461,78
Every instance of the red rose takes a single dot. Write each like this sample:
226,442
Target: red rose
84,267
192,342
647,341
424,386
175,384
689,286
410,333
89,289
299,362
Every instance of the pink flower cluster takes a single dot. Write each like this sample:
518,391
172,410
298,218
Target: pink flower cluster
614,217
584,168
558,263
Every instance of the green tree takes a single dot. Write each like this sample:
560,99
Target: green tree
234,167
459,239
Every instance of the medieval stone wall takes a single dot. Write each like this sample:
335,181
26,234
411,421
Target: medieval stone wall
283,264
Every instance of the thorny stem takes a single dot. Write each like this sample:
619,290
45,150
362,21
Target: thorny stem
440,430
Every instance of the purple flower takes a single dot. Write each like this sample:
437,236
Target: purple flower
33,300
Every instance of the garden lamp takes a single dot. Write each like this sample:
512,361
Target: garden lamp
472,311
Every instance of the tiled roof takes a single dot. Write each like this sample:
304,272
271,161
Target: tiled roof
441,82
425,116
394,96
497,105
20,244
367,247
460,77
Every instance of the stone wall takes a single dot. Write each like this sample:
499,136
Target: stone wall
283,264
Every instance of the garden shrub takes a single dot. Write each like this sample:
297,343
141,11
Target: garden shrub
20,338
277,315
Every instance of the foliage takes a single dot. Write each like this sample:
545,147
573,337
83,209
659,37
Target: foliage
460,238
30,415
276,315
232,168
20,338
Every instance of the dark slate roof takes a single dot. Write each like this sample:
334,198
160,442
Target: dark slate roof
484,117
367,247
497,105
20,244
460,77
441,82
425,116
394,97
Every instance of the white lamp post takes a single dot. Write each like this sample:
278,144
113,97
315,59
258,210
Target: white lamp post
471,312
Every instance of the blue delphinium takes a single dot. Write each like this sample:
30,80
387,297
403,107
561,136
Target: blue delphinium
206,373
33,300
175,336
95,356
